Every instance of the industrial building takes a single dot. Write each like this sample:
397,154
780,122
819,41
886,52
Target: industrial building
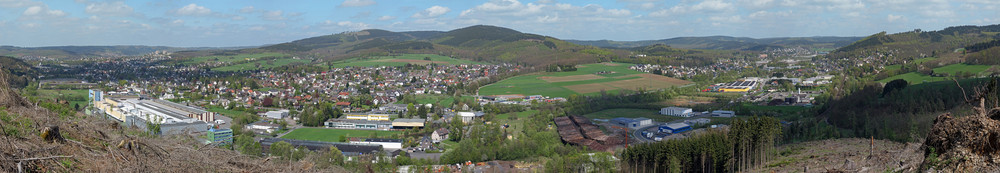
221,136
676,111
357,124
170,118
722,113
698,121
387,144
632,123
738,86
407,123
674,128
367,116
278,114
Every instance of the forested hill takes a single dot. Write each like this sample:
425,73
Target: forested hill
478,43
729,43
19,73
917,44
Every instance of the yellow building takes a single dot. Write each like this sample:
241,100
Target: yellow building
369,117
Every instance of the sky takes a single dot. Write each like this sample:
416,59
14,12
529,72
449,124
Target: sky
225,23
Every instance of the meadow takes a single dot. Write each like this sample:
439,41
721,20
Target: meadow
232,58
916,78
263,64
333,135
589,79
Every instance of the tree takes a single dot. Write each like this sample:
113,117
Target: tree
897,84
281,149
267,102
299,153
330,158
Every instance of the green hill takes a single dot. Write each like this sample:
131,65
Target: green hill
20,72
730,43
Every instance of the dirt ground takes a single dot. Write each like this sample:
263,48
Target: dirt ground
570,78
848,155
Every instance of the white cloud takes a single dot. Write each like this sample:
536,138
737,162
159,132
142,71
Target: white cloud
384,18
194,10
177,22
357,3
43,11
248,9
273,15
353,25
893,18
18,3
713,5
113,9
432,12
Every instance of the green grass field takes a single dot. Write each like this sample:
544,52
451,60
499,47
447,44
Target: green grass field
333,135
233,58
916,78
531,84
389,61
73,96
264,64
226,112
632,113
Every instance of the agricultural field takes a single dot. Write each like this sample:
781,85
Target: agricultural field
333,135
632,113
441,100
401,60
589,79
230,58
916,78
261,64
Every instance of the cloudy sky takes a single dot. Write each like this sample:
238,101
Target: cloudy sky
218,23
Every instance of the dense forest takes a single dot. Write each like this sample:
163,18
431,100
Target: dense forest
748,144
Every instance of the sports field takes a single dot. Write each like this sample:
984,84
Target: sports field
589,79
333,135
401,60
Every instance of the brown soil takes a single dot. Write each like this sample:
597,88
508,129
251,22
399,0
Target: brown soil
589,88
965,144
845,155
570,78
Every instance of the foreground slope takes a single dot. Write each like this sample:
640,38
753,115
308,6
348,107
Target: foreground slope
38,140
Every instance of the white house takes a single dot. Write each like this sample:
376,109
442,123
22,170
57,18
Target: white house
439,135
676,111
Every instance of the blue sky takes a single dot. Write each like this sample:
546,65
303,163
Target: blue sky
216,23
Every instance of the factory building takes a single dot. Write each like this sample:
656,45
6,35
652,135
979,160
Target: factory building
151,114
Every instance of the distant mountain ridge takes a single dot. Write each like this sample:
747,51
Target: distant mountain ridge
728,42
479,43
64,52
